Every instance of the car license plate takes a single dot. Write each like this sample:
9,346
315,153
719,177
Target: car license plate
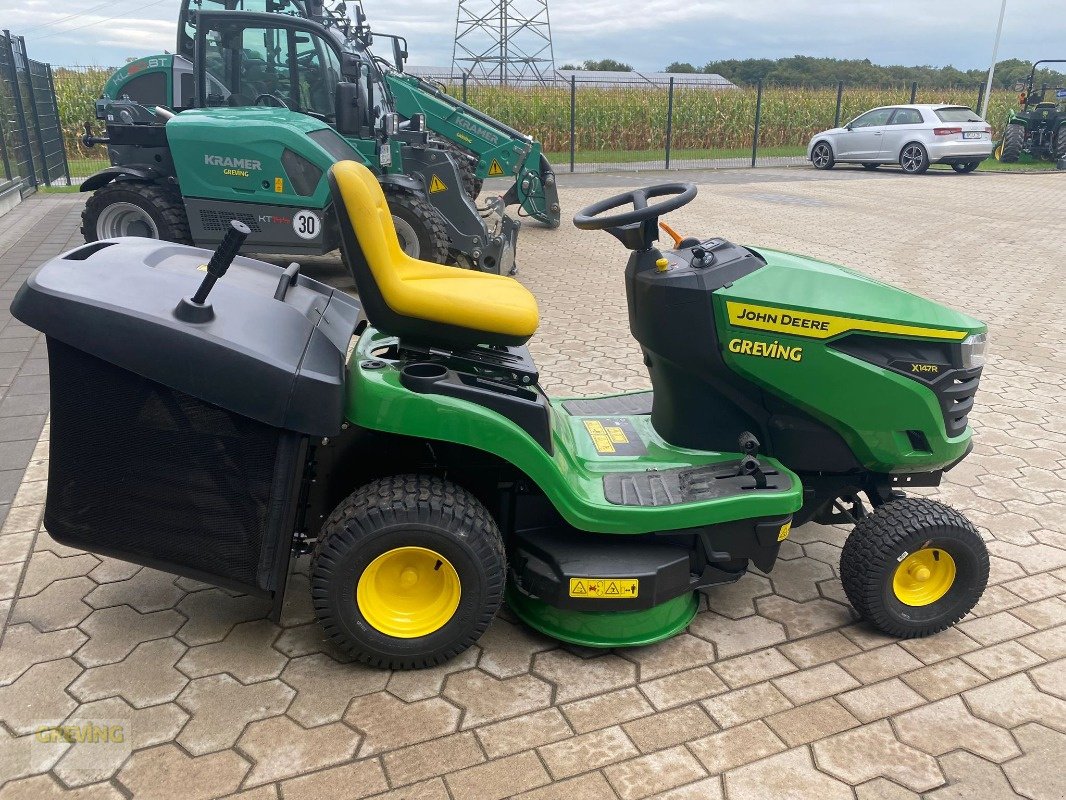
973,135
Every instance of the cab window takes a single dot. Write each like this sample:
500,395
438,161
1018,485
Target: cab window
907,116
879,116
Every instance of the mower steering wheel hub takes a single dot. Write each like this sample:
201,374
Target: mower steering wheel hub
592,218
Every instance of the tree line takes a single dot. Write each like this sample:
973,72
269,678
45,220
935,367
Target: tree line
810,71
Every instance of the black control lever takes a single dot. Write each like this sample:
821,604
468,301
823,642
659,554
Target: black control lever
749,462
196,308
89,139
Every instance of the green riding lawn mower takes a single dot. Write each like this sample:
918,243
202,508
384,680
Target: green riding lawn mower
402,438
1037,131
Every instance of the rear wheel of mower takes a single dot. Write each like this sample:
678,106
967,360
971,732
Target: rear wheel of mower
129,208
466,162
914,567
913,158
822,156
418,225
870,165
963,167
1013,143
408,572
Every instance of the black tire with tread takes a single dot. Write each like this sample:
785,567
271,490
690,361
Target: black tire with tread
870,165
965,167
466,162
1060,142
1013,144
832,159
428,226
923,167
163,204
398,511
882,538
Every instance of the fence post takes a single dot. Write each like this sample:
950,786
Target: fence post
36,114
914,91
573,120
3,149
59,124
18,106
840,97
466,77
670,122
980,96
758,122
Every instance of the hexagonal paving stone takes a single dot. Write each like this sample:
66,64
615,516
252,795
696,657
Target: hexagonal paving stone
38,697
146,677
281,749
487,699
222,707
791,774
872,751
325,687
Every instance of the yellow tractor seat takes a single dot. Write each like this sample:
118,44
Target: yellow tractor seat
417,300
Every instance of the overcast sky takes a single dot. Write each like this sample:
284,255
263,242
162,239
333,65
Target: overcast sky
645,33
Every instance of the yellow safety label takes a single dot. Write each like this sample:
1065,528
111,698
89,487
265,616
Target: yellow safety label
436,185
784,532
604,588
279,185
601,439
822,326
202,268
495,170
617,435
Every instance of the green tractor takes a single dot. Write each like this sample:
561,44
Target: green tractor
482,147
1038,130
266,105
403,439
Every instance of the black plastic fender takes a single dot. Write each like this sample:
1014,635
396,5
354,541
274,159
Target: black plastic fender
125,172
405,181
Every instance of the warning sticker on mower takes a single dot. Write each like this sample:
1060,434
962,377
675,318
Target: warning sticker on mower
614,436
604,588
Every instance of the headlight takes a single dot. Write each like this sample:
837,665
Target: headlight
973,350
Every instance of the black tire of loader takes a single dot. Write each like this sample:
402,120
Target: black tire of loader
1013,143
415,210
466,162
398,511
875,547
162,203
1060,142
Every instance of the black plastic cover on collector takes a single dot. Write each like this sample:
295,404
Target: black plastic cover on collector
281,362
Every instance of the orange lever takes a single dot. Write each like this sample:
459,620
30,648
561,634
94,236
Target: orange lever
677,237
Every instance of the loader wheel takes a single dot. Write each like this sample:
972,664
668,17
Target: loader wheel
408,572
914,567
1013,143
418,225
466,162
129,208
1060,143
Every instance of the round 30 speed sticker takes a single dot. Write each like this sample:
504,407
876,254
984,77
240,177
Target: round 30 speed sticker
306,224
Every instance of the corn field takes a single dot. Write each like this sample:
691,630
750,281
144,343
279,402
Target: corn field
618,123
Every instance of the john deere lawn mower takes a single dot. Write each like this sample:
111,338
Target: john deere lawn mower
482,147
273,101
429,475
1038,129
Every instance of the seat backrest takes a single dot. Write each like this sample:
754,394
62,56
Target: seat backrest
369,244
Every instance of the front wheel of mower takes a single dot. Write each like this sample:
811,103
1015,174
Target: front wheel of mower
914,567
1013,143
408,572
963,167
131,208
418,226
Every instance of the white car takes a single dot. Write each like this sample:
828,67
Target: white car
913,136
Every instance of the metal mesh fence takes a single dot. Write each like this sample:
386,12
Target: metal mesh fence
596,125
32,150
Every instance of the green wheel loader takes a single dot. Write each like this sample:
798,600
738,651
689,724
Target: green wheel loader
266,105
482,147
404,442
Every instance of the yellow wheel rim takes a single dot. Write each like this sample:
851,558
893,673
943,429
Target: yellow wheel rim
924,577
408,592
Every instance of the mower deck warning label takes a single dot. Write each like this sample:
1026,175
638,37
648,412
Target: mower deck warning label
614,436
604,588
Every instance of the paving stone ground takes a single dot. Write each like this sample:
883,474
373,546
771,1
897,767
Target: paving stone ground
775,691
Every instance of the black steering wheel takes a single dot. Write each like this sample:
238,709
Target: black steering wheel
591,218
275,100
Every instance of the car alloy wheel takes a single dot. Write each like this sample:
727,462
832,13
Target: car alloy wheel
913,159
822,156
